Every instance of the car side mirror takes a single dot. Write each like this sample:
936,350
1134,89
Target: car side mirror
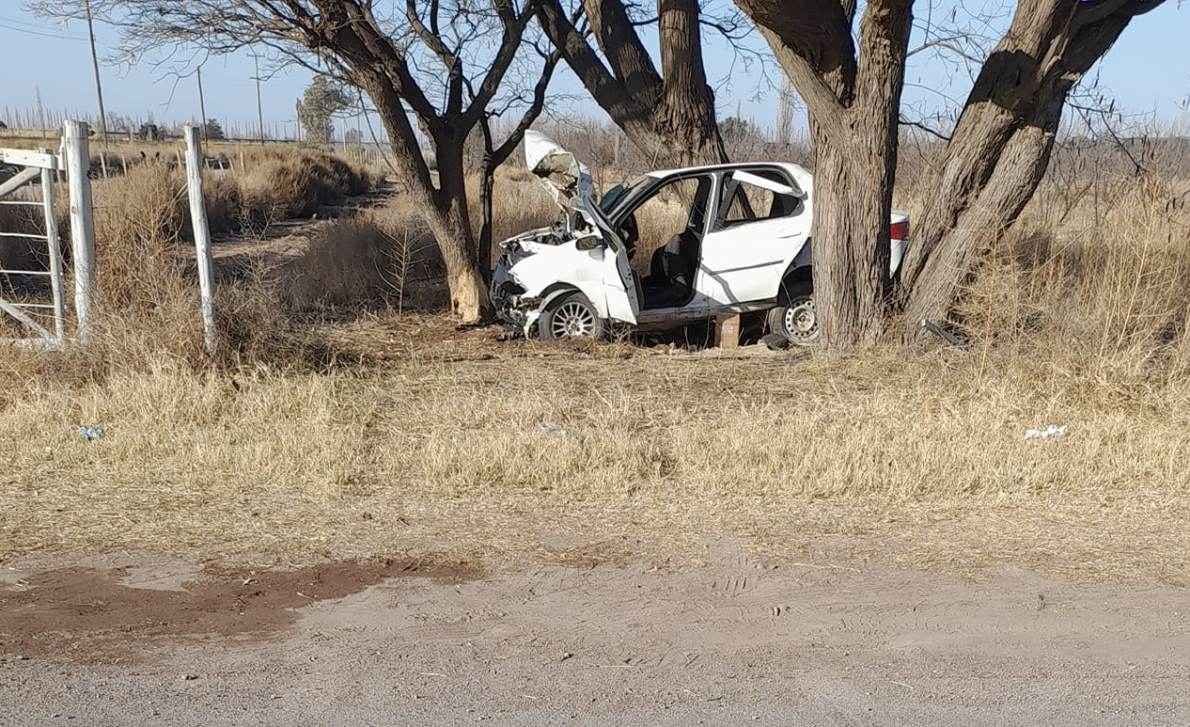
590,242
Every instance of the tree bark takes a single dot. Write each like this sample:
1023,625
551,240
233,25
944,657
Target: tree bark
445,208
686,116
853,103
850,240
669,118
1001,145
451,221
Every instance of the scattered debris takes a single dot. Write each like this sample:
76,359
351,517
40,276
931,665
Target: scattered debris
1052,431
92,432
551,429
565,655
189,677
776,342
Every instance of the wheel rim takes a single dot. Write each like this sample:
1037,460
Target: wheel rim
572,320
801,320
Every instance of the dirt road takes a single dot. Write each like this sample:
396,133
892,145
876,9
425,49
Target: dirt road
138,640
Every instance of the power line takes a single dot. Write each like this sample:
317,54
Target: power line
21,21
39,33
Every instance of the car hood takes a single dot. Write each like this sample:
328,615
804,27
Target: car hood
566,178
568,181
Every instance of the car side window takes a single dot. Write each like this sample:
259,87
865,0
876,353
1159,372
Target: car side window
745,200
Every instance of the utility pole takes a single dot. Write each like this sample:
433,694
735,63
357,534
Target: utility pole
40,111
95,65
259,106
202,105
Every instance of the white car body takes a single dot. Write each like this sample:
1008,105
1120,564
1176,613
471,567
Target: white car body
740,267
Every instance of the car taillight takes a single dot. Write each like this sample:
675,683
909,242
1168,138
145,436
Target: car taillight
899,230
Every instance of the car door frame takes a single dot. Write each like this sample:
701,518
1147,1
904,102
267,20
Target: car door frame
707,291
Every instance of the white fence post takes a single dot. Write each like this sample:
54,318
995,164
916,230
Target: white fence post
82,232
55,253
202,234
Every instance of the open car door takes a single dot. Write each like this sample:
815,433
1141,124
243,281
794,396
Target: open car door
623,301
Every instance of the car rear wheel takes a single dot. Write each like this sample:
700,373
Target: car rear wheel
571,316
797,319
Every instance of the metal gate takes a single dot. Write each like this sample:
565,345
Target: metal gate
24,297
46,320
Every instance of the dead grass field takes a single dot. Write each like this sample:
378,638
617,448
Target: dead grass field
522,451
339,427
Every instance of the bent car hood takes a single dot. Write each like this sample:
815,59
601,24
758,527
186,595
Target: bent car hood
567,180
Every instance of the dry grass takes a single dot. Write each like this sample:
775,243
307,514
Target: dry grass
914,461
455,442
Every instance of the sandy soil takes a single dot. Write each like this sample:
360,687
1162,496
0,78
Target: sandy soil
142,640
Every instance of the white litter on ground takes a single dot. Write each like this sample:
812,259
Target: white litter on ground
1052,431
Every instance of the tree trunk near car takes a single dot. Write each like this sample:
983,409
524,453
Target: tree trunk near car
850,239
1001,146
444,207
466,273
854,111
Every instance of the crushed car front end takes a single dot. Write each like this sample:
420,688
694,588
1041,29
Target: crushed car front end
538,265
511,280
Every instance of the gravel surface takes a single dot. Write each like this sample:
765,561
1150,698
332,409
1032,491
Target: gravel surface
733,640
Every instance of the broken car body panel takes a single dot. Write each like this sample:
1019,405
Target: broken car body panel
747,231
580,252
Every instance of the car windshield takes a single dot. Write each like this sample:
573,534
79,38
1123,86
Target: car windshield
620,192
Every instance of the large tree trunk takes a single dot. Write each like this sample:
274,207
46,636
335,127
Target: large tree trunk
850,243
669,118
686,115
853,126
1001,145
964,221
466,272
444,207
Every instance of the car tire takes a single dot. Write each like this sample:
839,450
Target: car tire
795,317
571,316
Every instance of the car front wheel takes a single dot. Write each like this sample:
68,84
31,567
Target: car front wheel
796,319
571,316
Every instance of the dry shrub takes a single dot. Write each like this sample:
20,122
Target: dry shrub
299,183
347,262
139,221
1107,288
372,259
224,203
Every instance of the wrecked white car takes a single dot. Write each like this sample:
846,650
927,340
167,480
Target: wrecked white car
722,239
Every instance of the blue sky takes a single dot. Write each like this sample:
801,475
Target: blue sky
1148,71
